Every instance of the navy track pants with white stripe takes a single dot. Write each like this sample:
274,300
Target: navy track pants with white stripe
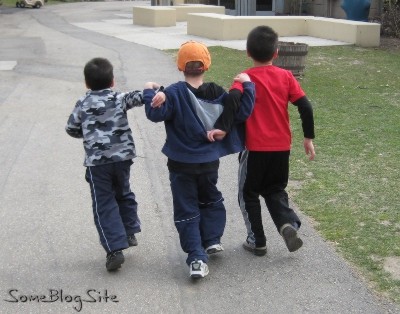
199,212
114,204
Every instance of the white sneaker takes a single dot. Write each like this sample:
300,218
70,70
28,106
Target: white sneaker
198,269
215,248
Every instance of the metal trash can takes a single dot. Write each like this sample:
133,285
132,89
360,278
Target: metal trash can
292,57
356,10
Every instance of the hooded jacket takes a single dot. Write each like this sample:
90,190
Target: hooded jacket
186,132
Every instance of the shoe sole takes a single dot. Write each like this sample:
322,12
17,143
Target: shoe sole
257,252
115,264
213,251
132,242
293,242
198,276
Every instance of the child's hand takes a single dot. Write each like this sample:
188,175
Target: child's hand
242,77
151,85
215,135
309,148
158,100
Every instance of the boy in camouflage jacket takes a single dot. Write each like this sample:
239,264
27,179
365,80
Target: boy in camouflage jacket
100,119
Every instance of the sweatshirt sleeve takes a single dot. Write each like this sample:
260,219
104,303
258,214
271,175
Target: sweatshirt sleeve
238,105
156,114
306,115
132,99
231,105
74,123
246,102
238,86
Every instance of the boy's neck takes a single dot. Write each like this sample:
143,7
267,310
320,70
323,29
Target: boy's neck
261,64
194,81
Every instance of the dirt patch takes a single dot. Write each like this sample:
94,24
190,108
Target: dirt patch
390,43
392,266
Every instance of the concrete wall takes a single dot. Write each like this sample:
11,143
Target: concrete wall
183,10
154,16
226,27
162,16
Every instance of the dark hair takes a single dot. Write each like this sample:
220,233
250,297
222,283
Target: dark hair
98,74
262,43
194,68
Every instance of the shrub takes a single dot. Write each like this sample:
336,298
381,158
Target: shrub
391,18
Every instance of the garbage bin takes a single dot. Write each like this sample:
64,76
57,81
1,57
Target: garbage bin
356,10
292,57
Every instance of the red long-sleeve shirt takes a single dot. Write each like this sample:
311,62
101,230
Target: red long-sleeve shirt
268,127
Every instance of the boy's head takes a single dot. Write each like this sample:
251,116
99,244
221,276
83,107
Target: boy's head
99,74
262,44
193,58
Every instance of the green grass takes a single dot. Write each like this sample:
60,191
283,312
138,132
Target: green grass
351,189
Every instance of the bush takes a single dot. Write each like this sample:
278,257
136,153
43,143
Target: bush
391,18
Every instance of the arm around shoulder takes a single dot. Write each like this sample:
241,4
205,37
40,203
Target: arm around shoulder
246,102
154,111
133,99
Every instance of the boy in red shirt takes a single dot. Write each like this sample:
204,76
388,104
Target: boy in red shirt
264,165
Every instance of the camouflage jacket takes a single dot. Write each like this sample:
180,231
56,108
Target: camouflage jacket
100,118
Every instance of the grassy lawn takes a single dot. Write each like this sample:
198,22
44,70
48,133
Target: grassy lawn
351,190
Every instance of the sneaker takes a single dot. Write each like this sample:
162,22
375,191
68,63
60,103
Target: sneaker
198,269
256,250
114,260
215,248
132,241
289,234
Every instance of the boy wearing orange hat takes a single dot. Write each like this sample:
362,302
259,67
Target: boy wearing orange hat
192,109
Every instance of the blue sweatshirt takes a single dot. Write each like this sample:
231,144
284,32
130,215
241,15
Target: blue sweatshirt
186,132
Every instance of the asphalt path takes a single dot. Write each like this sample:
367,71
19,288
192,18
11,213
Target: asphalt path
51,259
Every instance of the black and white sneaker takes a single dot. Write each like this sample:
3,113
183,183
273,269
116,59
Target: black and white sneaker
198,269
114,260
256,250
215,248
132,241
289,234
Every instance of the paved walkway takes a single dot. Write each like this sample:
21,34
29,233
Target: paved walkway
172,37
